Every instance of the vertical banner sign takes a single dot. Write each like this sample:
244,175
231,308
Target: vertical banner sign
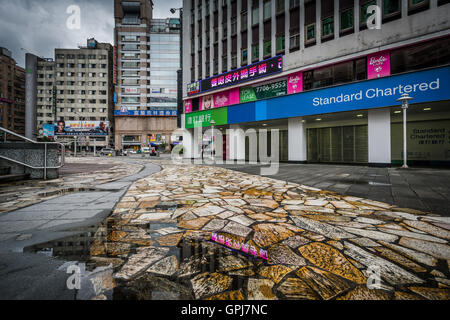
295,82
188,106
378,65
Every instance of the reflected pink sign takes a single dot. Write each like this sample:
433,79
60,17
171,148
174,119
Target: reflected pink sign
188,106
295,82
378,65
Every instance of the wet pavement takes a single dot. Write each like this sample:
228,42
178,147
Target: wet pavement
203,232
425,189
68,214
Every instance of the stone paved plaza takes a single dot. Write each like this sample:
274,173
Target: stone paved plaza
319,244
157,242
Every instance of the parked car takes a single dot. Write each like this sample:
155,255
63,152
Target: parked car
107,151
151,151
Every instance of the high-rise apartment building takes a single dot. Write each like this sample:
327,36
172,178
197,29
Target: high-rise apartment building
76,86
12,93
147,60
326,73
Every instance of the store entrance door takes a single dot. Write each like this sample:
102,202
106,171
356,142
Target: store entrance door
347,144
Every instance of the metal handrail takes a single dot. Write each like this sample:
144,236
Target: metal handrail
45,167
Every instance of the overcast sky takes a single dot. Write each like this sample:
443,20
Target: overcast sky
39,26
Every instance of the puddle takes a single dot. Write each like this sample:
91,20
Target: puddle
72,248
62,192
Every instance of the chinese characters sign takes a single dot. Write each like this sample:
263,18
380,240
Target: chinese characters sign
378,65
203,118
254,71
193,88
146,113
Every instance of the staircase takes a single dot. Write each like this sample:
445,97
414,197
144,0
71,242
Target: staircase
6,175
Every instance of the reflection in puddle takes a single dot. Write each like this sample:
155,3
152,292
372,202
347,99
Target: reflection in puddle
104,250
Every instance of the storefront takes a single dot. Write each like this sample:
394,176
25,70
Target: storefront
346,112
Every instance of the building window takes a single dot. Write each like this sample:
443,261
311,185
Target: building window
224,64
280,43
310,34
255,16
233,26
244,21
428,55
346,20
267,48
391,10
294,3
327,27
267,12
244,56
279,6
255,52
364,15
417,5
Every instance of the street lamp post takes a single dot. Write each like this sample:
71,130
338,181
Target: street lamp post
212,138
404,100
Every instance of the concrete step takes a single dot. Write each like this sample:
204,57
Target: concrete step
5,170
13,177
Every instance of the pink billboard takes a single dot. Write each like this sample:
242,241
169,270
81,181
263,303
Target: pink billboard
378,65
295,82
188,106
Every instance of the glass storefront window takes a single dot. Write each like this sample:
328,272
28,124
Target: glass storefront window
427,55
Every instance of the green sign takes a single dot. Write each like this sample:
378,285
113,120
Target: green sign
265,91
203,118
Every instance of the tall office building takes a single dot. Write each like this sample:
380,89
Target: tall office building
326,73
147,60
76,86
12,93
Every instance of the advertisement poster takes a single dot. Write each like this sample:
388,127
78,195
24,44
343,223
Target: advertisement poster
295,83
207,102
49,130
82,128
265,91
378,65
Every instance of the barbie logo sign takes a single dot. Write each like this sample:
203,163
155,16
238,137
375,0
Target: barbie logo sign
378,65
240,246
295,83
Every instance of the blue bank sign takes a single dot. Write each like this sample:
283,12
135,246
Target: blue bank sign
423,86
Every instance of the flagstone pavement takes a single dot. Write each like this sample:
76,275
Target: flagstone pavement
320,245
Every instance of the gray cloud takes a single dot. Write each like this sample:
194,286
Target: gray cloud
39,26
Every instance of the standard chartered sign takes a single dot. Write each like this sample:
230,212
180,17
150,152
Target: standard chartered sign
373,93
